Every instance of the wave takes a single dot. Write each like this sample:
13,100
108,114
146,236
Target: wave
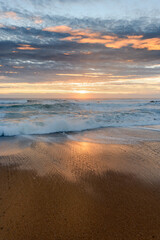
154,102
44,106
67,124
7,101
50,125
19,117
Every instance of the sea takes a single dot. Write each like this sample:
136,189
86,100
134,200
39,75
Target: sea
46,116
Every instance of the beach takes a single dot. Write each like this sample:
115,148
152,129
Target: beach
79,120
80,186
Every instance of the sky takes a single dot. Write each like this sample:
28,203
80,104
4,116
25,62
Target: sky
79,49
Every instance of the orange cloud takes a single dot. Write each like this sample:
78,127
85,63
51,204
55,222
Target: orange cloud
136,42
109,41
86,75
108,37
73,32
12,15
92,40
26,47
19,67
71,38
150,44
85,33
135,36
38,20
122,42
62,29
10,72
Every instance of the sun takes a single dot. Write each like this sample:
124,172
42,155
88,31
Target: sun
81,91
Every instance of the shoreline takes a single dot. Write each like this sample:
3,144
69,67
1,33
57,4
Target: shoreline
139,128
69,189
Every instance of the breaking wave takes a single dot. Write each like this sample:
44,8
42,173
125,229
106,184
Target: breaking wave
19,117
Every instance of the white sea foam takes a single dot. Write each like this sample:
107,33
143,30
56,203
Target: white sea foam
19,117
45,126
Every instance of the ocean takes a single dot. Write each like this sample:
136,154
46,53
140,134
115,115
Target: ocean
28,117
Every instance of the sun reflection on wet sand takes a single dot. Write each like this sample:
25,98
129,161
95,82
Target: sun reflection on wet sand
71,159
67,189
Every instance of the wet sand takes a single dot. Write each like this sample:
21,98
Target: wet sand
69,190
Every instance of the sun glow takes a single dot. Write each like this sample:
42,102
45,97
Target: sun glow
82,91
88,89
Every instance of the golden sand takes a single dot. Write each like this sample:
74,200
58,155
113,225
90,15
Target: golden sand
79,190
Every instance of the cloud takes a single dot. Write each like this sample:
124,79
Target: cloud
75,46
135,42
26,47
38,20
153,66
59,29
77,52
12,15
109,41
68,41
18,67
